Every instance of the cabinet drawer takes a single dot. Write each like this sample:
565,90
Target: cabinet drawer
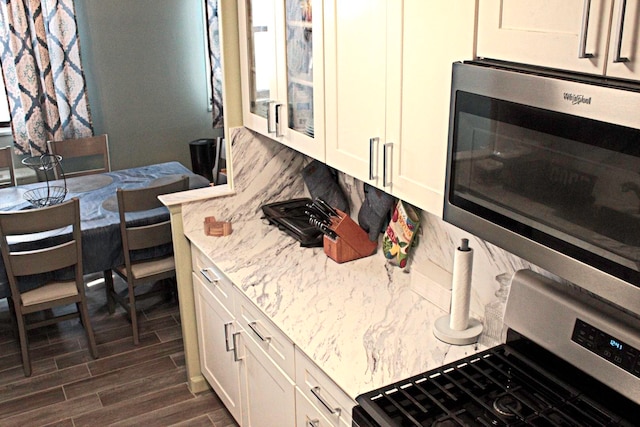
212,278
318,388
264,333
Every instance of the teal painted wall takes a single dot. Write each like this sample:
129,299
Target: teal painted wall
144,63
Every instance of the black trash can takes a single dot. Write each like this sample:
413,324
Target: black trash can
203,157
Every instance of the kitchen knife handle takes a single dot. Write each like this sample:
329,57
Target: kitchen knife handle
584,29
316,392
618,45
372,142
388,145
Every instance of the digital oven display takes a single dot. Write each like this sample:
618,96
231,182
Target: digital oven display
607,347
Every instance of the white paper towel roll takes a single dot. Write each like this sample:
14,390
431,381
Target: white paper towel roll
461,287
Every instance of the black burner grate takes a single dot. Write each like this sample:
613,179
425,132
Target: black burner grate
498,387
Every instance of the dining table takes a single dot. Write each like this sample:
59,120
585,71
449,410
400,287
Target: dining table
100,221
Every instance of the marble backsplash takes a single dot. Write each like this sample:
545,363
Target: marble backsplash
266,171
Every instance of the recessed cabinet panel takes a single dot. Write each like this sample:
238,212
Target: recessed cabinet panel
215,325
566,34
267,392
624,42
355,85
420,140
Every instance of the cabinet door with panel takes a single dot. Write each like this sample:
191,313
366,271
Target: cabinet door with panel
565,34
356,69
433,36
267,368
624,41
213,298
281,65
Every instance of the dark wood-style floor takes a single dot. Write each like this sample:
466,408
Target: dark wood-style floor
142,385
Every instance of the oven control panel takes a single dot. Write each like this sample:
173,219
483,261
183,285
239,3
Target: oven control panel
606,346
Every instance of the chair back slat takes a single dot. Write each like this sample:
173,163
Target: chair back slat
143,199
149,236
6,163
38,220
94,146
43,260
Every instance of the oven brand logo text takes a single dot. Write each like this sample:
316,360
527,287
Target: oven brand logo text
577,99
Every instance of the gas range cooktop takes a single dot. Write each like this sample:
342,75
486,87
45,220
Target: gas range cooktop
515,384
578,365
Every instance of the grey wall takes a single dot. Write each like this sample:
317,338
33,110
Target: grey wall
144,62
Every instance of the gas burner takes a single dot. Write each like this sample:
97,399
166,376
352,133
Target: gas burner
507,405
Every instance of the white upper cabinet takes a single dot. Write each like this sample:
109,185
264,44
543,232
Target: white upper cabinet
624,42
387,83
282,72
434,35
590,36
356,68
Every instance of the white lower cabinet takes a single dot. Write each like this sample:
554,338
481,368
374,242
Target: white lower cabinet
216,326
326,398
255,369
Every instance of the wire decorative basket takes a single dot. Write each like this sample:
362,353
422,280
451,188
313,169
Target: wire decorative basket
50,194
45,196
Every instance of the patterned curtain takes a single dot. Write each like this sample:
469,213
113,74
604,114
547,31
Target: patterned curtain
213,33
40,57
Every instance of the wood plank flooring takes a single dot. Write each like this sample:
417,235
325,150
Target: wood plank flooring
128,385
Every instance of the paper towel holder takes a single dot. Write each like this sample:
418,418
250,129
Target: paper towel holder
471,330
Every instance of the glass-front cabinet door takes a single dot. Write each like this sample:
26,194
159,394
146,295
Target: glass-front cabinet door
258,40
304,82
282,71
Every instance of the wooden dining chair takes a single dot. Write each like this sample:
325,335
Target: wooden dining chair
6,165
82,156
62,254
139,240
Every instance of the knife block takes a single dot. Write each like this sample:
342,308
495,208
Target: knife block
351,243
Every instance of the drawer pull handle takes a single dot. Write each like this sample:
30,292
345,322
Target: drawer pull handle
316,392
386,147
372,142
278,117
234,338
618,42
584,29
254,327
205,273
269,130
313,423
226,336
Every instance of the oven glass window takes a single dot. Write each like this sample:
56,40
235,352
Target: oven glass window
565,181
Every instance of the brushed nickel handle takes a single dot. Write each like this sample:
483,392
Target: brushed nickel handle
316,392
278,124
234,338
313,423
584,29
254,327
617,57
372,142
387,146
205,273
269,130
226,336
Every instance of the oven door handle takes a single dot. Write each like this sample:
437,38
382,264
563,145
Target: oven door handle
584,29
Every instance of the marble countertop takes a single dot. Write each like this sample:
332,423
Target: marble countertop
360,322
